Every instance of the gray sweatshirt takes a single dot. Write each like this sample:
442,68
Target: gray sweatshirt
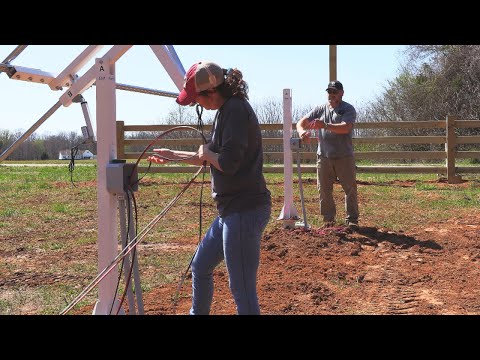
238,140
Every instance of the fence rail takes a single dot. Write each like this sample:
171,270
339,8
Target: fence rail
449,139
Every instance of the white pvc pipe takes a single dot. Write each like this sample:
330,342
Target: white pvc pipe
288,211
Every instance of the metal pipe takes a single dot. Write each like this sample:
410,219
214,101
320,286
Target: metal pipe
145,90
173,68
300,186
172,51
14,53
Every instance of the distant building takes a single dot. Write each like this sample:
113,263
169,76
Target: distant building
87,154
80,155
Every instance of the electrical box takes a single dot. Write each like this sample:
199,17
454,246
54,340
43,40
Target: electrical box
121,176
85,132
295,144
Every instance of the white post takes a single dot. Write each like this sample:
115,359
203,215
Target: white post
289,213
107,205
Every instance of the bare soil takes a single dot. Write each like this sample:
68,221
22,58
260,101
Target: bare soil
432,269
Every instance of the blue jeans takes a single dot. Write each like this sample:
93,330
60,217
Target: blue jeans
235,238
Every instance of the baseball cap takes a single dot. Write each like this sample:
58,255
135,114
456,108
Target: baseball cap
337,85
201,76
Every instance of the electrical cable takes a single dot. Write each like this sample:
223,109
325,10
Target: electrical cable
123,260
163,134
182,280
127,281
71,164
130,246
199,110
134,242
163,157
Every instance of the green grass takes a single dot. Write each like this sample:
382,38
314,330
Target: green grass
52,246
7,213
170,266
55,298
48,225
60,208
6,307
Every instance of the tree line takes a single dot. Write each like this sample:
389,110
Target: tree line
433,81
41,147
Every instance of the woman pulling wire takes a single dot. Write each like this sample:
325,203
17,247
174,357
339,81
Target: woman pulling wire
235,156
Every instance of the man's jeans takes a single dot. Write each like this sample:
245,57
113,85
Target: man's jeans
235,238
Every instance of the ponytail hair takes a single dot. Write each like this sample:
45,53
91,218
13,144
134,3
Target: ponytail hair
234,85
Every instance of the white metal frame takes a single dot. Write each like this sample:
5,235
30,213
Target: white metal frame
102,74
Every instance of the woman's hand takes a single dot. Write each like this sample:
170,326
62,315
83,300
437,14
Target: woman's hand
161,156
203,152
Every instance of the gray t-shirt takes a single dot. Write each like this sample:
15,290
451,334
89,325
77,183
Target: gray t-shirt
330,144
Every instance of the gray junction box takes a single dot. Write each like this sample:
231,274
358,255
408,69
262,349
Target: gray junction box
120,177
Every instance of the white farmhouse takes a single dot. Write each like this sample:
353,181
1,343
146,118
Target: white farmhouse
85,155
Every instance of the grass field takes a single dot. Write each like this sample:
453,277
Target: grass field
48,226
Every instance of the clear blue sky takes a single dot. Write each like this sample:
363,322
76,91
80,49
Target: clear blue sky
268,69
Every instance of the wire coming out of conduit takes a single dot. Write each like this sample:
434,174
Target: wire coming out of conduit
139,237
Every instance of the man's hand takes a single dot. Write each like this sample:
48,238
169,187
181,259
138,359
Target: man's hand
316,124
305,136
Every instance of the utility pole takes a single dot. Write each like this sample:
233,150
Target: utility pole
333,62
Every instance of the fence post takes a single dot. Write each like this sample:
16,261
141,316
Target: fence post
450,148
120,140
289,213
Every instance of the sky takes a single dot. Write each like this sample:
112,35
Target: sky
268,69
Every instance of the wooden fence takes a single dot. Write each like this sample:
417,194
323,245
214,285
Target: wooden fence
448,139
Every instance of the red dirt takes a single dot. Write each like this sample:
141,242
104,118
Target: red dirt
431,270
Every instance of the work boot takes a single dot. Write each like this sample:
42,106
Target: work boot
352,225
328,224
